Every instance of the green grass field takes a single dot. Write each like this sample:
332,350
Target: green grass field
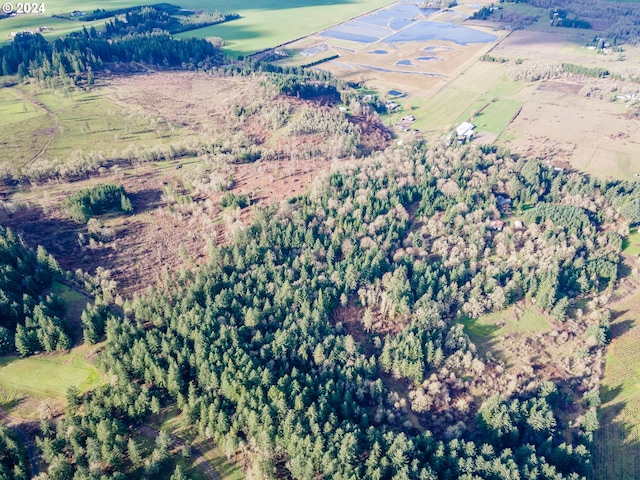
263,24
50,375
15,109
56,125
501,323
496,117
463,96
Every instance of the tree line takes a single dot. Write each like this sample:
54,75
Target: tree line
81,54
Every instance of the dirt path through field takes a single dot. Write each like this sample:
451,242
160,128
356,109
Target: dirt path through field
53,130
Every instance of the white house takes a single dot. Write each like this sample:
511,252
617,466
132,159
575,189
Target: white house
465,129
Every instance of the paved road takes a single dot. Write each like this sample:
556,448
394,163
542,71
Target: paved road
199,460
12,423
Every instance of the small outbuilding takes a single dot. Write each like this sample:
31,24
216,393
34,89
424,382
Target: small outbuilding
497,225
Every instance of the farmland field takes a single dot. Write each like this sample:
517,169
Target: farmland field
596,137
395,47
259,27
617,442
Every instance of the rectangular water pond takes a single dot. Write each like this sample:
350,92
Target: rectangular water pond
425,30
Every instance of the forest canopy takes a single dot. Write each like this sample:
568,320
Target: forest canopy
249,348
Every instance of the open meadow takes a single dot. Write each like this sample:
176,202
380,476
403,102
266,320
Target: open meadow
41,124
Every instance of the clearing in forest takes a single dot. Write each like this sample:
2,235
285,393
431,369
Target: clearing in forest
177,142
45,376
498,332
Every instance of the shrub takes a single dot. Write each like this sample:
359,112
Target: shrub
235,200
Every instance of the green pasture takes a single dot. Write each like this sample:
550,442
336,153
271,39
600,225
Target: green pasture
268,24
467,93
499,104
496,116
441,111
15,109
50,375
60,123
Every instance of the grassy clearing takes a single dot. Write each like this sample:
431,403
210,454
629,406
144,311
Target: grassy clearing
631,245
48,376
617,442
497,116
74,304
495,324
485,330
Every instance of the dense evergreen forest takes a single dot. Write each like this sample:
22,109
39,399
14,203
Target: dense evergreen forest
250,349
30,321
13,459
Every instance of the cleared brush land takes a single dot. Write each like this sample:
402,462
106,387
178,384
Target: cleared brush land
211,135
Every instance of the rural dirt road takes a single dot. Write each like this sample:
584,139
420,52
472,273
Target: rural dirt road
13,423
